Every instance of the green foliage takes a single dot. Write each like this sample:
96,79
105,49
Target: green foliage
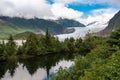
90,42
2,49
7,29
31,45
11,46
70,45
100,52
102,61
98,59
23,35
45,44
40,45
110,70
92,66
114,38
9,49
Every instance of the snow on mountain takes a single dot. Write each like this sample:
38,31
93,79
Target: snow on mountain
82,31
97,26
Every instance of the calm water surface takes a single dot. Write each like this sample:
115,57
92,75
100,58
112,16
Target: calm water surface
38,68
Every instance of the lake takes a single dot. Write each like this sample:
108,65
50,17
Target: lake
37,68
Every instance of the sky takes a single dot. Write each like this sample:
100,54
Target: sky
84,11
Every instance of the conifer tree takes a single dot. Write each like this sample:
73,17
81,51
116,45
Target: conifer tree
11,46
114,38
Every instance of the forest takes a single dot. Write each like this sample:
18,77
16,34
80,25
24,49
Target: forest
102,61
96,58
36,45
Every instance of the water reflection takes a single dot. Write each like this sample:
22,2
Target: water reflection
8,65
38,68
21,73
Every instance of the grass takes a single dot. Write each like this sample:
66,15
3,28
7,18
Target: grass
6,30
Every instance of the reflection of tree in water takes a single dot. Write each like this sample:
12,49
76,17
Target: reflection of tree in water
12,65
32,64
2,69
46,62
9,65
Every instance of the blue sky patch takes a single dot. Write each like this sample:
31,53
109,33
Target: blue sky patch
50,1
86,8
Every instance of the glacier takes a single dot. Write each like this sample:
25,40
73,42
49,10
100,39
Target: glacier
82,31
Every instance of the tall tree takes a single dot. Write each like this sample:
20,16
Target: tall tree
11,46
114,38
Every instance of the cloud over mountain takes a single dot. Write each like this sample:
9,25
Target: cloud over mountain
27,8
59,8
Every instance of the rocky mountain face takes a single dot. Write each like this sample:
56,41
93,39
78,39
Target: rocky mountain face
113,24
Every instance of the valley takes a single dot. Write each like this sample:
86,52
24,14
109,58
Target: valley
59,40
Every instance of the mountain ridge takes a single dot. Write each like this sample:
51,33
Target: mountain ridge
16,25
69,22
112,25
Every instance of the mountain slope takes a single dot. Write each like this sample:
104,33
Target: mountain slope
69,23
17,25
35,23
6,29
23,35
113,24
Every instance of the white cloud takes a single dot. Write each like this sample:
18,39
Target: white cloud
64,1
102,15
42,9
109,2
75,1
27,8
37,8
60,10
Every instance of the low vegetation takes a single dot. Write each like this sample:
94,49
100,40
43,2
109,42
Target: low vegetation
97,58
102,62
45,44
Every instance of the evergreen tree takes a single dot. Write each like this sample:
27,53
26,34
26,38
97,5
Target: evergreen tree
1,50
114,38
31,45
47,37
11,47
